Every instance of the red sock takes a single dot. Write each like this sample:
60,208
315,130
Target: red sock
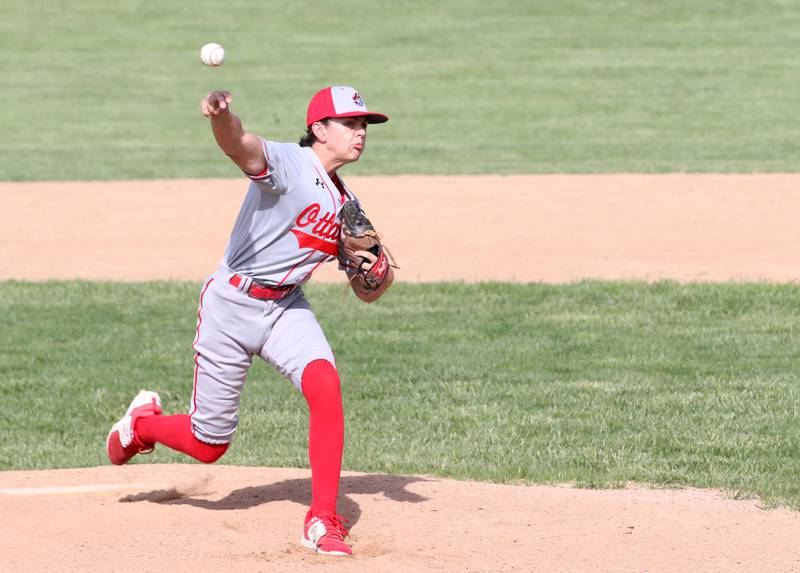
320,384
176,432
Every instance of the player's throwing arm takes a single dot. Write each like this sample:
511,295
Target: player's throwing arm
243,148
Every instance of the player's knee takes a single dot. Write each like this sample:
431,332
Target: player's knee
209,453
320,379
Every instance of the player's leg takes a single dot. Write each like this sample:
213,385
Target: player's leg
228,330
143,426
321,389
297,347
175,432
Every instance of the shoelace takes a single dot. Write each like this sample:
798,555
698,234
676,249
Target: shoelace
335,526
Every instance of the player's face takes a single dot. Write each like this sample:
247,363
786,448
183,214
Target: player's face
347,137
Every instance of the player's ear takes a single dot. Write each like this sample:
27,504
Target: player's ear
319,131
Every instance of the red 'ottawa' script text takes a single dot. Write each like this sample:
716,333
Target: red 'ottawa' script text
324,226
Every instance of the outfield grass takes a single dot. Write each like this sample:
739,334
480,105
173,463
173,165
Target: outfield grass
110,90
592,383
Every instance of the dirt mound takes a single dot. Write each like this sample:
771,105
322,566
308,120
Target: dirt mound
198,518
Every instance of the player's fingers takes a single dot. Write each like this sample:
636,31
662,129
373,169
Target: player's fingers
213,108
221,96
369,259
215,102
367,255
221,101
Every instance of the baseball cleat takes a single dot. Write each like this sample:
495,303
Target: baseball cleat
122,443
325,534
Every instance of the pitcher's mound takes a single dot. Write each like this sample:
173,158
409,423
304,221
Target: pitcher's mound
222,519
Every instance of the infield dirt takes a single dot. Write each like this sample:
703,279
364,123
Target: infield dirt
540,228
552,228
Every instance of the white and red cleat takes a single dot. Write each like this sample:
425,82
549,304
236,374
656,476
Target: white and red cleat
122,443
325,534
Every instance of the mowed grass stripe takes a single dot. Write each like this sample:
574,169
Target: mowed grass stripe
111,90
592,383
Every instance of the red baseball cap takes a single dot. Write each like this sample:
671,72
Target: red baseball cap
340,101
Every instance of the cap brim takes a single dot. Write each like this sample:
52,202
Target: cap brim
371,116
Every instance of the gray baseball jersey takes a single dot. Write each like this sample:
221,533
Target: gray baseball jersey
287,226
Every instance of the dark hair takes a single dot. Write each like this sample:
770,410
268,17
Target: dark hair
309,138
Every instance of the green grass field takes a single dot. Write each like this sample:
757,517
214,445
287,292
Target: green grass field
592,383
99,90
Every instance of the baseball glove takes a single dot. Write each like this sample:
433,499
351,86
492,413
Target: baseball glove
368,280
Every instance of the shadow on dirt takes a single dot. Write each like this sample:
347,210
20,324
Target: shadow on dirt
295,490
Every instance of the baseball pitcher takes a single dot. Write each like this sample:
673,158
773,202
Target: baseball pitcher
296,215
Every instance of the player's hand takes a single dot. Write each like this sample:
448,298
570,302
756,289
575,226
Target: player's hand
369,259
215,103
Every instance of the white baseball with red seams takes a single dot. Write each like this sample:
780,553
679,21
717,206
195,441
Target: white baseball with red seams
288,225
212,54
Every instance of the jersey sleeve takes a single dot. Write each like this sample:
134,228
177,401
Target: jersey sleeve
273,179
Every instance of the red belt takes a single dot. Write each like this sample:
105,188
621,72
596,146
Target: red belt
263,292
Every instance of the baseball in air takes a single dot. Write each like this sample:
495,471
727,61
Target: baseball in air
212,54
